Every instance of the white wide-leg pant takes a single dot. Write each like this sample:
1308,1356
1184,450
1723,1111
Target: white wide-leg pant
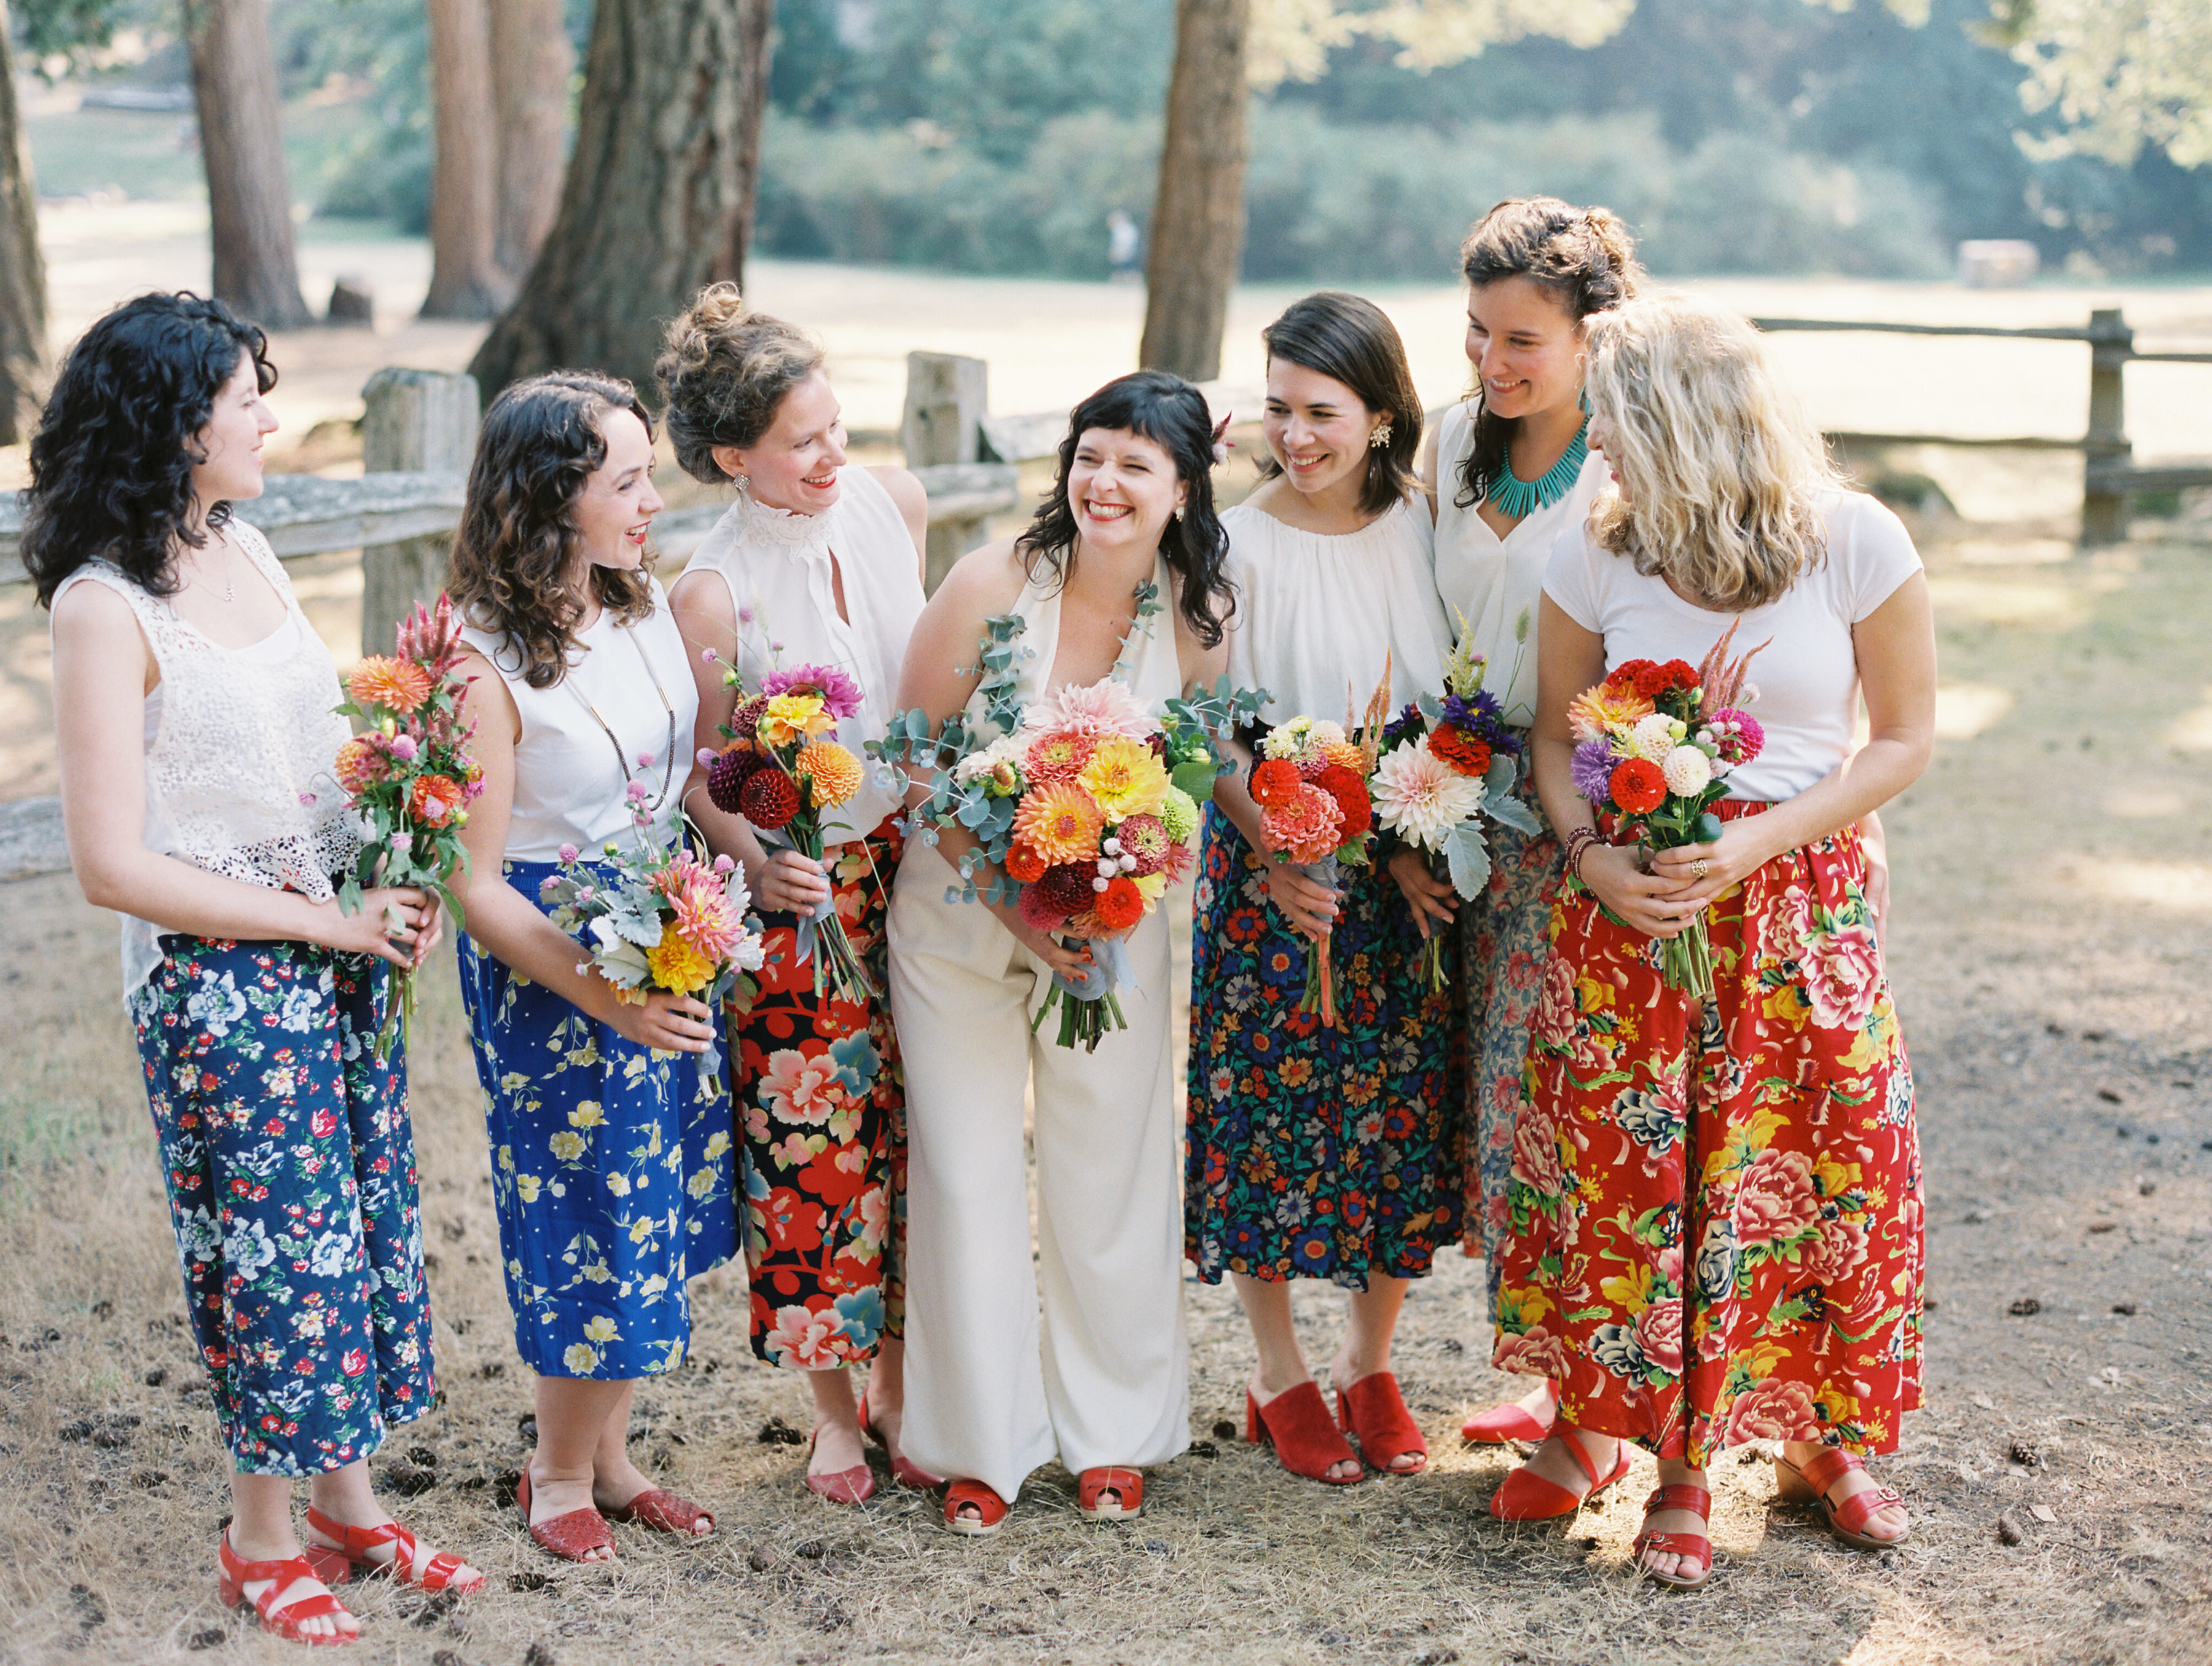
988,1397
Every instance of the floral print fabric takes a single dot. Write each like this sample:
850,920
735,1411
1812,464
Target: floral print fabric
289,1162
1315,1151
1774,1151
613,1171
824,1108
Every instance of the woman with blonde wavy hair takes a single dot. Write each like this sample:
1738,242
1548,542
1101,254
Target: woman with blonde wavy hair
1715,1212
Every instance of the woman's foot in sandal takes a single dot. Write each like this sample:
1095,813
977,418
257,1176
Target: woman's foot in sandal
338,1548
622,1492
881,1427
1373,1410
1857,1509
1297,1424
1672,1548
560,1518
284,1592
1527,1418
1110,1494
974,1509
1569,1469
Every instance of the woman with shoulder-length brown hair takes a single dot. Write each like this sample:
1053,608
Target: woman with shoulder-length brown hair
613,1167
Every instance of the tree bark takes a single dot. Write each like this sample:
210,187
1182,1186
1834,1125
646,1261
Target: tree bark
530,62
465,282
659,199
22,268
256,265
1198,217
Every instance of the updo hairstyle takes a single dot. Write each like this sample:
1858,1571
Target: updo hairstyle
1351,340
723,371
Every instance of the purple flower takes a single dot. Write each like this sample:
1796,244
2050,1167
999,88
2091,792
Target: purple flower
707,656
744,615
1481,715
1591,768
841,695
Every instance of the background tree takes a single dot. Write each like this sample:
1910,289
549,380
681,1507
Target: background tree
659,194
531,60
23,269
257,264
2122,73
465,280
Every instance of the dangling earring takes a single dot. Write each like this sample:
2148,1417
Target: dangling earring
1178,512
1582,399
1380,437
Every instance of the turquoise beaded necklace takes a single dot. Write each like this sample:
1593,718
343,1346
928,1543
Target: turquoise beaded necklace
1511,496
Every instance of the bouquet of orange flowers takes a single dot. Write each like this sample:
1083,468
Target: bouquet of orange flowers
408,776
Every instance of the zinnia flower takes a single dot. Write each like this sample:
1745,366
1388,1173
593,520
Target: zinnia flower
1060,822
1102,708
360,763
1605,709
434,800
1349,789
1461,750
1057,755
833,773
1124,778
1144,838
792,717
840,694
1638,786
1304,825
1688,771
1120,906
768,800
1421,797
676,966
1591,769
398,685
1179,814
1273,779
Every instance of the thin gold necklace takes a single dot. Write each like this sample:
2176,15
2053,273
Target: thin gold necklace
668,764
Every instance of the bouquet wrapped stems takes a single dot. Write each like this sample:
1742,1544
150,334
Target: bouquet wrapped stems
822,940
1320,981
1090,1009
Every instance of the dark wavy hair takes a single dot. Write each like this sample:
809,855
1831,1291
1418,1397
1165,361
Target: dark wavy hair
516,547
112,462
1585,257
1350,339
1172,414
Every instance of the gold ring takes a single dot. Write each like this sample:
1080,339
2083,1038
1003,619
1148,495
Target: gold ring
1698,867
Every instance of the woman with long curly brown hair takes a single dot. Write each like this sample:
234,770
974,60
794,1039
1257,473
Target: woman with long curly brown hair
609,1121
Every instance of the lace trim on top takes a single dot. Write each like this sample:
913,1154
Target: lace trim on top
810,536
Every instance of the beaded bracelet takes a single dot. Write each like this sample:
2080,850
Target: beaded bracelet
1578,843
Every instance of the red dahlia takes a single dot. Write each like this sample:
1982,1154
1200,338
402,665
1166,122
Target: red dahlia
727,776
1066,887
1273,779
768,800
1350,791
1120,905
1638,786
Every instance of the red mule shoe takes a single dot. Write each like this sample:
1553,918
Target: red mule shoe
1306,1440
664,1512
1110,1495
1501,1426
1527,1496
854,1486
904,1470
1847,1520
282,1606
390,1550
1374,1410
573,1537
1696,1546
990,1510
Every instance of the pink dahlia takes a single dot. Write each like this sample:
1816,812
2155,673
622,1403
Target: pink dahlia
1305,824
1102,707
841,695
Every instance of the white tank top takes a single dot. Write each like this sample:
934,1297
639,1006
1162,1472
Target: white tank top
628,695
1150,668
240,744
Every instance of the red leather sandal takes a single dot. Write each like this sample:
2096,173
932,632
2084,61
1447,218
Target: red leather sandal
1501,1426
1696,1546
904,1470
664,1512
284,1605
572,1538
854,1486
1527,1496
1847,1520
1306,1440
991,1509
1374,1410
390,1550
1110,1495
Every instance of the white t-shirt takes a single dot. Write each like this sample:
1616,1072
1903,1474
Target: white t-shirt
1806,677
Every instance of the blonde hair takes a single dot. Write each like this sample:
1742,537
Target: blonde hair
1720,466
723,370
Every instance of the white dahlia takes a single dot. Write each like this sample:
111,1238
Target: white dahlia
1653,737
1688,771
1420,797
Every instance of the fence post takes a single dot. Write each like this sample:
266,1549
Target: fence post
2111,344
416,419
946,398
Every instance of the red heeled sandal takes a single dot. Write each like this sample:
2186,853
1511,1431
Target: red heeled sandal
1374,1410
990,1509
904,1470
1110,1494
284,1605
1527,1496
1306,1440
390,1550
1501,1426
1847,1520
1695,1546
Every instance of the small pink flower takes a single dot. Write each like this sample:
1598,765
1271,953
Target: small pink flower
744,617
568,853
645,760
704,757
403,748
705,656
634,792
723,864
307,798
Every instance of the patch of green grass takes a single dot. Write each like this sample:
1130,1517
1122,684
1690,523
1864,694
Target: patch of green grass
153,155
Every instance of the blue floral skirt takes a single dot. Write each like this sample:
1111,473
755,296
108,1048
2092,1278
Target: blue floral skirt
613,1171
290,1166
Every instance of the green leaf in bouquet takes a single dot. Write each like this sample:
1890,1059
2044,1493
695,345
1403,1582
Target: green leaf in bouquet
1196,778
1504,808
1708,828
972,813
1466,858
1505,771
1430,707
633,922
620,961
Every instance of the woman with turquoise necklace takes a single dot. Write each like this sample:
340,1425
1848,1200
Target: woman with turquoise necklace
1511,469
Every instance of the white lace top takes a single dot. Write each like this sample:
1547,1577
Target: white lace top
239,749
776,566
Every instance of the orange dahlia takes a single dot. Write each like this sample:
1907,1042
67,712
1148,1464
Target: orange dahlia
434,800
1306,826
1059,756
1456,747
1120,906
1604,709
360,762
398,685
1023,864
1060,822
834,773
1639,786
1273,779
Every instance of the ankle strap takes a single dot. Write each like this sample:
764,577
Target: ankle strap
1831,1466
1681,1496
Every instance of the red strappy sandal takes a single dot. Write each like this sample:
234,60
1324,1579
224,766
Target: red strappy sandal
1373,1409
664,1512
1696,1546
572,1538
1306,1440
1527,1496
1847,1520
277,1607
1110,1495
390,1550
1501,1426
904,1470
991,1509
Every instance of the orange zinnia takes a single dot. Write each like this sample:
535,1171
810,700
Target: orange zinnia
1120,906
398,685
1060,823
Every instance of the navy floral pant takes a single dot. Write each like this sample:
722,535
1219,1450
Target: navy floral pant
290,1164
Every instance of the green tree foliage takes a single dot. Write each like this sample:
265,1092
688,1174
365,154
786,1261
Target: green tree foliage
2123,73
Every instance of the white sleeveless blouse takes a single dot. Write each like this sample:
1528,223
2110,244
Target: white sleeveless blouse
627,698
776,566
1150,667
239,743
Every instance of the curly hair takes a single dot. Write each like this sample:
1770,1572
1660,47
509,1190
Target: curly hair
516,551
1585,257
723,371
112,462
1172,414
1351,340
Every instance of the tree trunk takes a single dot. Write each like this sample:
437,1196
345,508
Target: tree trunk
465,281
23,269
1198,217
530,62
257,267
659,199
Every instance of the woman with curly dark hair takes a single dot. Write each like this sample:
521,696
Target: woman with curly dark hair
609,1121
193,706
1119,575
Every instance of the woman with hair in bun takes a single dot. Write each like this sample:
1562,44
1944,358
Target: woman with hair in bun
1324,1151
1715,1229
817,563
610,1119
1119,575
194,709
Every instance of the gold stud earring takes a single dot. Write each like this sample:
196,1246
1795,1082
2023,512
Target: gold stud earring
1380,437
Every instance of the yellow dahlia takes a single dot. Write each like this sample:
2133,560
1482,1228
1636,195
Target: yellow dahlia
1124,778
1348,754
792,716
1060,823
398,685
834,772
676,965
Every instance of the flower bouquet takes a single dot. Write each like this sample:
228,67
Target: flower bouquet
408,776
781,770
1655,744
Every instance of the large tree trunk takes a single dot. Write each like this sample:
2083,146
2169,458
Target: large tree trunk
530,62
464,279
22,269
257,267
1198,217
659,194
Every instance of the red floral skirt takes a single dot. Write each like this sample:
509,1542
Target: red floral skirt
1774,1142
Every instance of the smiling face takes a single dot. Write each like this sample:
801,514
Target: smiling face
1122,488
1317,428
1601,442
228,449
615,510
794,466
1525,346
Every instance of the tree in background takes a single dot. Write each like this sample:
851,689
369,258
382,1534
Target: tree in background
2122,73
531,60
23,269
465,282
256,265
659,199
